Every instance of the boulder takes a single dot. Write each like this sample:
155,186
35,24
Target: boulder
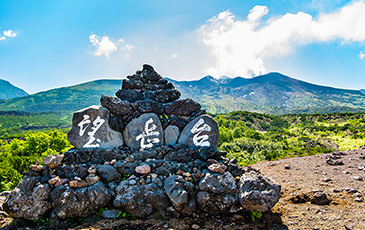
215,203
30,205
257,192
218,183
80,202
182,107
52,161
116,106
181,194
149,106
108,173
141,201
130,95
171,133
99,195
90,129
218,193
168,95
201,132
70,203
144,132
128,84
319,198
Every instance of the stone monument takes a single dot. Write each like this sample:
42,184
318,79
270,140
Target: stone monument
147,152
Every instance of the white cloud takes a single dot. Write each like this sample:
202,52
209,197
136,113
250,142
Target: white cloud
126,48
257,13
2,38
173,56
9,33
105,46
361,55
240,47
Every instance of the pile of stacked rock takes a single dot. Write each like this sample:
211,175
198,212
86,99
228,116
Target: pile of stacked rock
145,152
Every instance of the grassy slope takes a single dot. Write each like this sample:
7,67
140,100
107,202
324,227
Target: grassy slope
63,99
7,90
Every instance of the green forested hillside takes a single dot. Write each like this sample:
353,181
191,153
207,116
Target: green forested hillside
8,91
16,124
253,137
17,155
272,93
70,98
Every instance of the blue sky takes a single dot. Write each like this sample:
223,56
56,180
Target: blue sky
49,44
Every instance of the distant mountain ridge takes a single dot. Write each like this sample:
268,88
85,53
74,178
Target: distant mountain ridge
273,90
270,93
8,90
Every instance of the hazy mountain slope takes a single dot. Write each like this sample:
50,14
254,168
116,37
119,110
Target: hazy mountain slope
8,91
273,89
62,99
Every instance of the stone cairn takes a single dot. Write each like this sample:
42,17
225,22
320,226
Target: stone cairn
146,152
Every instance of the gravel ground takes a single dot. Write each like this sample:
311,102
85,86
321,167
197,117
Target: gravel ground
339,175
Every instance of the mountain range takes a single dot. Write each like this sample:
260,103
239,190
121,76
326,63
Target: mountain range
8,91
272,93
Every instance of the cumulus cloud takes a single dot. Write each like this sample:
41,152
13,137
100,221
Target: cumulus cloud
240,47
105,46
361,55
257,13
10,33
2,38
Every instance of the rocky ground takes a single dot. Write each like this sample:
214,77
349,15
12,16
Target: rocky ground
340,176
318,192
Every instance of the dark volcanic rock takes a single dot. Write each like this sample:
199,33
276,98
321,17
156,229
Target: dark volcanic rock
257,192
149,75
116,106
172,133
165,96
149,106
319,198
116,123
182,107
99,195
201,132
141,201
131,95
128,84
108,173
126,168
178,121
218,193
90,129
144,132
30,205
69,203
181,194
